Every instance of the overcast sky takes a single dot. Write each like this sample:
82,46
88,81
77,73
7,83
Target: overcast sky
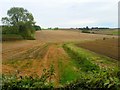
67,13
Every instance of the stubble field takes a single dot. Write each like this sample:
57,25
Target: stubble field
31,57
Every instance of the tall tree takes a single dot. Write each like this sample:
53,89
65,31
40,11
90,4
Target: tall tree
22,19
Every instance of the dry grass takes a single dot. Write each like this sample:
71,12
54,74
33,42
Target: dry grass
66,36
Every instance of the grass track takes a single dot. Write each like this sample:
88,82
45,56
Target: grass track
101,61
68,71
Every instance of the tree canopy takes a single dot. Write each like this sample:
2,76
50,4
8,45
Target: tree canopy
21,19
17,15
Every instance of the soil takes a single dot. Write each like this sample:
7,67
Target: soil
108,47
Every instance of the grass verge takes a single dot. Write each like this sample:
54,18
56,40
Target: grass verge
68,71
91,75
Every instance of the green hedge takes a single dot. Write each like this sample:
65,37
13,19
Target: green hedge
85,31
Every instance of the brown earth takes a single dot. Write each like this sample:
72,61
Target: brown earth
108,47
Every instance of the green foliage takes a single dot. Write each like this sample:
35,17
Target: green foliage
28,82
85,31
56,28
37,27
16,15
20,21
116,32
67,71
103,79
26,30
49,28
91,76
9,30
82,59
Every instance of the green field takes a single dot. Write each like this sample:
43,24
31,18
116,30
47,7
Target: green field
106,32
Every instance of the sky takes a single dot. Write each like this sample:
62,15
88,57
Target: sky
67,13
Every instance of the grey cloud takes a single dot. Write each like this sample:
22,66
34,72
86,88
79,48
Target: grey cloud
68,13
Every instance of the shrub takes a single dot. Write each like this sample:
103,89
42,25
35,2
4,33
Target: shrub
26,31
10,30
37,27
85,31
96,80
56,28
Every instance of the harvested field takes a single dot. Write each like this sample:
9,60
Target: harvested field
31,57
36,59
66,36
108,47
10,48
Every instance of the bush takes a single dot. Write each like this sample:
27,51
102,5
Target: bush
96,80
37,27
56,28
85,31
10,30
26,31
